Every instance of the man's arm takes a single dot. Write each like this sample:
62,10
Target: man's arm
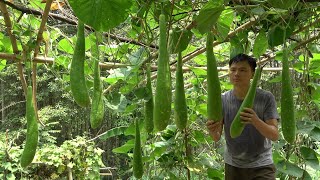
268,129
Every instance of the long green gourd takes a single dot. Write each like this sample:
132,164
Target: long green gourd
214,101
163,96
288,122
30,147
77,79
148,106
237,126
137,154
97,105
180,105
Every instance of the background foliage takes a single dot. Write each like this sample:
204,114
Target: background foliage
69,147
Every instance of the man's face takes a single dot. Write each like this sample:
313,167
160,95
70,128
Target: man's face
240,73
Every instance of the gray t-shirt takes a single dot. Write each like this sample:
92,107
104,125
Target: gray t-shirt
250,149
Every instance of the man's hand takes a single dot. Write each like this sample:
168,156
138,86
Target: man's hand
248,116
215,129
268,129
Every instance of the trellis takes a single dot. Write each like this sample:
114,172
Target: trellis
107,65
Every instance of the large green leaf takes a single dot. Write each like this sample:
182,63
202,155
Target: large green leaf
305,127
102,15
201,59
158,149
208,15
169,132
199,137
117,74
214,173
315,63
62,61
278,34
236,47
202,109
112,132
315,134
258,11
117,102
179,40
2,64
224,23
124,149
275,79
260,44
276,156
2,47
130,131
306,175
142,93
65,46
37,4
310,156
283,4
198,71
315,92
140,8
290,169
6,44
138,57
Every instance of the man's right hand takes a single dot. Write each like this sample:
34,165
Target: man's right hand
215,129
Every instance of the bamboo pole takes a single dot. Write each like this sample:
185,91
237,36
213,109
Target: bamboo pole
13,40
36,52
110,65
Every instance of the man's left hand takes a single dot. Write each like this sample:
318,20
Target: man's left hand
248,116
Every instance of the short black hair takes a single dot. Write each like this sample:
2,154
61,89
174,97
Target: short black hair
243,57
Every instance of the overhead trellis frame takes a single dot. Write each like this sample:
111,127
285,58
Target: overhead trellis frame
189,56
45,14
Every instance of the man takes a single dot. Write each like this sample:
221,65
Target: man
248,156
